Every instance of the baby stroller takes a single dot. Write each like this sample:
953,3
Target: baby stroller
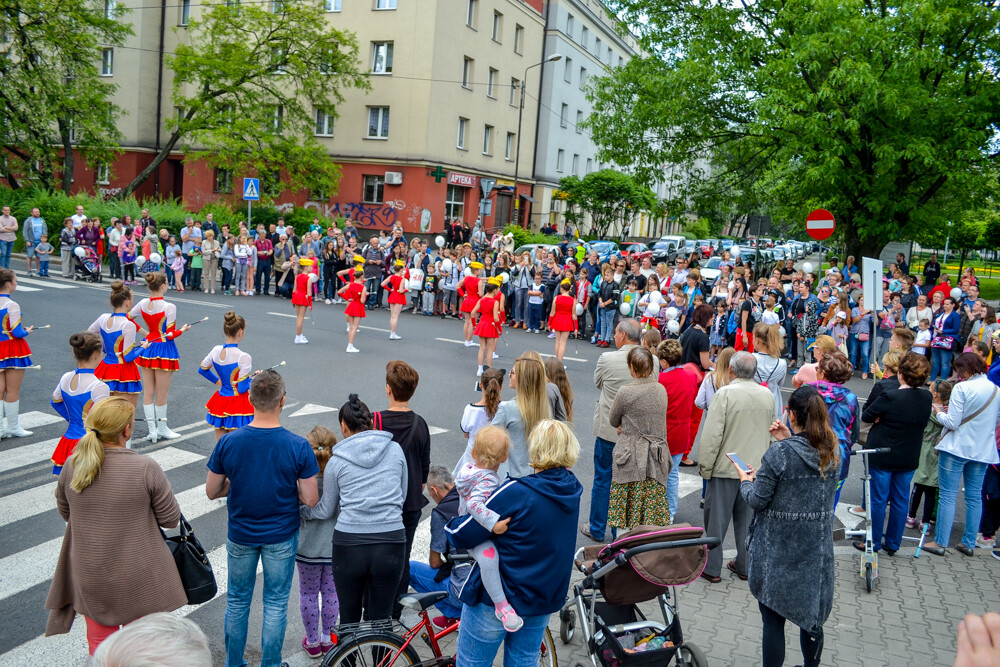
86,264
639,566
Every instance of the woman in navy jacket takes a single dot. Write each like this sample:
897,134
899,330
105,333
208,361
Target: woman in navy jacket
946,324
536,552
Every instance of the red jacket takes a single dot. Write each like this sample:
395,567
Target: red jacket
682,387
944,288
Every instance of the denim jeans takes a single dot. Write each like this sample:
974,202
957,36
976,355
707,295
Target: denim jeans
600,494
520,305
673,484
262,276
278,561
534,316
857,352
892,487
940,364
607,324
422,581
881,347
115,265
5,248
951,471
372,284
481,634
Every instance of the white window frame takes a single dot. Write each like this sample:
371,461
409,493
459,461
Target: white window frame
518,39
278,59
576,164
278,120
515,91
560,159
102,174
468,66
463,130
590,165
488,139
511,146
110,7
472,14
579,121
185,12
568,70
387,48
564,115
584,37
324,123
496,29
491,83
381,125
597,47
570,25
583,77
384,5
610,54
107,62
332,5
377,183
454,201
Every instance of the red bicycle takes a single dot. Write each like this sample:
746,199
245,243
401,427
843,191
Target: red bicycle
390,644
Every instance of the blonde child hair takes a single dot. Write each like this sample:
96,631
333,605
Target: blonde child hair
490,446
322,440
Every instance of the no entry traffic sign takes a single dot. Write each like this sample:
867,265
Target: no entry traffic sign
819,224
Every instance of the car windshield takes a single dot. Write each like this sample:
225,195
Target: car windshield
713,263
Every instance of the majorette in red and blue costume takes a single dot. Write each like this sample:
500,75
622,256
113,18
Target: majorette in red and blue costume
118,368
160,318
229,408
14,350
74,404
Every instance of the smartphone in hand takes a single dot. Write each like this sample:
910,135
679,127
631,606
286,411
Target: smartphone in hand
738,462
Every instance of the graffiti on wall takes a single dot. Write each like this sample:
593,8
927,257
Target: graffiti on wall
367,216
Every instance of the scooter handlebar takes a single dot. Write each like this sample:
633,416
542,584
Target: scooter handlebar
877,450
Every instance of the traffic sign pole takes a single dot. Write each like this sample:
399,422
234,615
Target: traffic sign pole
820,225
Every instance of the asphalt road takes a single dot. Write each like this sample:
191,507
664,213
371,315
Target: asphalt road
319,378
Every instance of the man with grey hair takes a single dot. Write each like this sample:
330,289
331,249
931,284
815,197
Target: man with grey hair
738,421
161,639
611,374
437,574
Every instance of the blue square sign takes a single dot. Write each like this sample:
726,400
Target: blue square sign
251,189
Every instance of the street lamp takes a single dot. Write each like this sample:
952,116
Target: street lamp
520,114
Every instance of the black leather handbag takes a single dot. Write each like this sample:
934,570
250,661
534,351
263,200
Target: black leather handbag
192,564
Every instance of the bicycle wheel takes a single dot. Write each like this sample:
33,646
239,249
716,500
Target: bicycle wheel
376,649
547,652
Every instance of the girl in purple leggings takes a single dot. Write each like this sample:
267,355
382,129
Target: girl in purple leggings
314,560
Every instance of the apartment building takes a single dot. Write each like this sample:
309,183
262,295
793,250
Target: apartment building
434,138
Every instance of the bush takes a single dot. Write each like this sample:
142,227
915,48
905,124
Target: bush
523,236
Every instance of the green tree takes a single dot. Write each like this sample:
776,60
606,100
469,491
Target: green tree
872,110
52,95
247,82
610,197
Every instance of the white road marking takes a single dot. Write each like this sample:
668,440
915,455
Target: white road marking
373,329
34,419
543,354
312,409
41,498
291,315
25,288
850,521
41,283
451,340
434,430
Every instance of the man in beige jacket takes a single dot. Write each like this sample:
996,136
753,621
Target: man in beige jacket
610,375
738,420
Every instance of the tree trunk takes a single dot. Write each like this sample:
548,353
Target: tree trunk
142,176
68,157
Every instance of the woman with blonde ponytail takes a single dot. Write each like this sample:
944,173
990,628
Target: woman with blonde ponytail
519,416
98,480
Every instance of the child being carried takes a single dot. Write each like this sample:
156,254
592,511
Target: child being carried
475,482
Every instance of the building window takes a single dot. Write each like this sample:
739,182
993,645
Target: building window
472,13
570,25
467,73
110,7
463,126
103,174
515,88
226,114
74,136
511,144
331,5
185,11
278,119
583,77
609,55
326,62
277,6
107,62
382,58
621,61
518,38
324,123
597,47
497,31
223,180
560,158
590,165
579,121
385,4
576,164
454,203
491,83
568,70
584,37
563,115
488,140
374,190
278,60
378,122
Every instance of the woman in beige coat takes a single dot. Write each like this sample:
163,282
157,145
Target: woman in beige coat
211,250
641,458
114,566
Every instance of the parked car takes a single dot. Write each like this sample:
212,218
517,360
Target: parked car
537,250
710,271
605,250
779,253
626,249
663,251
727,244
707,247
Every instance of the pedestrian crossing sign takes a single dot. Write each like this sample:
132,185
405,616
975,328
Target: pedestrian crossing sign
251,189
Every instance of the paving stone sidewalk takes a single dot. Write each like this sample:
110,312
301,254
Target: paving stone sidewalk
909,620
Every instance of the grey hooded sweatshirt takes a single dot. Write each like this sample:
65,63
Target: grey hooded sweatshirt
365,481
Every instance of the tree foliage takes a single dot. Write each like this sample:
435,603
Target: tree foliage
610,197
248,81
885,113
52,95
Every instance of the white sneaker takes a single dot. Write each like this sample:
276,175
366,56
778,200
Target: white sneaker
468,343
985,544
394,336
328,302
479,373
496,356
352,350
347,328
300,340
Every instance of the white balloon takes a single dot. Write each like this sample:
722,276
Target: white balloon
79,251
735,251
673,326
672,313
624,309
140,260
807,267
313,277
504,278
579,309
446,266
439,241
956,293
155,258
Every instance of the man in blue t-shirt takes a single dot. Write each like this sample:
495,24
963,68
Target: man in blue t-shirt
265,471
